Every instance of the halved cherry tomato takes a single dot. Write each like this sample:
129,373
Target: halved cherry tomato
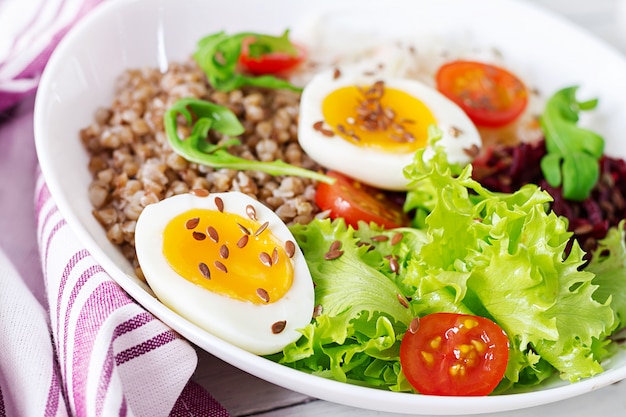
354,201
491,96
271,63
454,354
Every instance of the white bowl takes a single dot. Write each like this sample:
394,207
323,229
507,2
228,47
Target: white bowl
132,33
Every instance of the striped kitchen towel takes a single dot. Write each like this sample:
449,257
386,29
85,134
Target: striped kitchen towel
95,352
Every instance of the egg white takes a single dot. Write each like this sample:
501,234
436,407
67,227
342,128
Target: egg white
241,323
370,166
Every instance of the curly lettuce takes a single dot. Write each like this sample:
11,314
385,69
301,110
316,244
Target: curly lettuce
498,255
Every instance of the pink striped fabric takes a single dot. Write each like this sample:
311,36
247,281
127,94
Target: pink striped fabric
112,357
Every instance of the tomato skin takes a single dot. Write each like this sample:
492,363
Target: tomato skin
455,355
272,63
353,201
491,96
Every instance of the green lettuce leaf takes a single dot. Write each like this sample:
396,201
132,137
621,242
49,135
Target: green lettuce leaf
356,337
503,256
608,263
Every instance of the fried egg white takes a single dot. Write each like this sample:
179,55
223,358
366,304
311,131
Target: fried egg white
369,127
228,264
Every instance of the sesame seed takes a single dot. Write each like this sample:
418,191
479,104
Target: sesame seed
265,258
198,235
204,270
290,248
263,295
220,204
224,252
261,229
220,266
414,325
192,223
251,212
199,192
213,234
279,326
242,242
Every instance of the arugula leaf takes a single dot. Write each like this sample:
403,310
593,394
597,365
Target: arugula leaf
218,54
572,152
196,148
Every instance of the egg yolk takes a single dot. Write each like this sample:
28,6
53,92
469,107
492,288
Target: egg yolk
228,254
387,119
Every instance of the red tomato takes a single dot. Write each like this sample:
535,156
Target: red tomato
454,354
491,96
354,201
272,63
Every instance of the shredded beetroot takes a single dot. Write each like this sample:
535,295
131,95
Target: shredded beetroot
507,168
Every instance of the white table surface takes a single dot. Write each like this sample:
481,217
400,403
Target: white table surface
246,395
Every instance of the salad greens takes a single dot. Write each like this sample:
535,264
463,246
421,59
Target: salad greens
572,152
502,256
196,148
218,54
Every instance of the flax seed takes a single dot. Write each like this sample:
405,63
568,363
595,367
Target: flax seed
263,295
220,266
243,228
330,255
336,245
224,252
261,229
394,265
318,125
317,311
204,270
402,300
275,256
242,242
265,258
414,325
290,248
198,235
279,326
192,223
380,238
251,212
220,204
396,238
213,235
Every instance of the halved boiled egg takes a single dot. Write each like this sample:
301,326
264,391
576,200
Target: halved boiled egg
369,128
228,264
